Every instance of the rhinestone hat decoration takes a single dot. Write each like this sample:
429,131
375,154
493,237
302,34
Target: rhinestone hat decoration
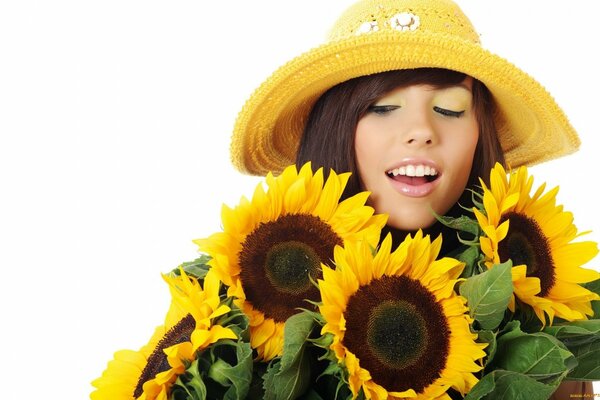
401,22
403,16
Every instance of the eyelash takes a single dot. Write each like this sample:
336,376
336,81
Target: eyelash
382,110
448,113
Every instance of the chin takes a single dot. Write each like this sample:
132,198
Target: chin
410,223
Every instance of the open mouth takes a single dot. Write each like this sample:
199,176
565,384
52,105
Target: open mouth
414,175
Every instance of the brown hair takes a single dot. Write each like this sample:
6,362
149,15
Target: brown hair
328,138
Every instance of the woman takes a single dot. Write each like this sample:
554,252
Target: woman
404,97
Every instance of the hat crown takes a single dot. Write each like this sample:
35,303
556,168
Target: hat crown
442,17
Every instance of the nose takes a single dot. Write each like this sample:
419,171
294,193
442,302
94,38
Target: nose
418,130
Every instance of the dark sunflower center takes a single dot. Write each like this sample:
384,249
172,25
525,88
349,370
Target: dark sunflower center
289,264
395,342
526,244
398,332
157,362
277,259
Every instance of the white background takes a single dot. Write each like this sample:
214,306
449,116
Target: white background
115,119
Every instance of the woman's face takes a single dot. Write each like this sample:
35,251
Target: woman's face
414,151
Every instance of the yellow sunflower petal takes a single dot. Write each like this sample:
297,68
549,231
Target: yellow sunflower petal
291,224
171,345
481,218
358,314
540,233
509,202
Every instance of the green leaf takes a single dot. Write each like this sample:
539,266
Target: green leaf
235,320
190,386
488,337
594,287
323,341
197,268
296,332
587,356
576,332
462,223
477,198
470,256
332,380
237,377
538,355
289,376
488,295
582,338
509,385
269,379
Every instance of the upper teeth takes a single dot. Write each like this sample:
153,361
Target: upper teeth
413,170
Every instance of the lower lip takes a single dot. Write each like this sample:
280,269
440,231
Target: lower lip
412,190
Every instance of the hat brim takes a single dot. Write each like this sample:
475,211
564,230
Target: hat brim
532,128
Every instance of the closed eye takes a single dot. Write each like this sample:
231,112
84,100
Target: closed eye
382,109
448,113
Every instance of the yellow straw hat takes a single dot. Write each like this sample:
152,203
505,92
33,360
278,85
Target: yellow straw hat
374,36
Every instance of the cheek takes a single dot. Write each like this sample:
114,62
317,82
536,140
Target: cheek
463,153
363,165
367,152
461,157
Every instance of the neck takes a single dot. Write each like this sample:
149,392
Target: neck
449,236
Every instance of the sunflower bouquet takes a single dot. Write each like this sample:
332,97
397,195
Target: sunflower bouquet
299,297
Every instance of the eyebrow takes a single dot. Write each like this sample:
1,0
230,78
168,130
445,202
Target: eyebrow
432,87
462,85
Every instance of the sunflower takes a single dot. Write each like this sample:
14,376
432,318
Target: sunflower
150,372
537,235
398,326
271,247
